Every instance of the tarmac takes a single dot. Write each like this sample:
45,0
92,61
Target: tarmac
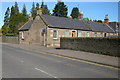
88,57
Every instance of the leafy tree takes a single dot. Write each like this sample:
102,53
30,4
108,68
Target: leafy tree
94,20
45,10
24,11
100,21
75,12
4,29
60,10
33,11
7,16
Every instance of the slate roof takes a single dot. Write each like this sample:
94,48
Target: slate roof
68,23
26,26
119,27
115,25
64,23
99,27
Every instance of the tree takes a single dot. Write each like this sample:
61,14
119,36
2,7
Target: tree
16,8
60,10
16,19
13,20
7,16
100,21
75,12
24,11
12,11
33,11
42,5
94,20
4,29
37,6
45,10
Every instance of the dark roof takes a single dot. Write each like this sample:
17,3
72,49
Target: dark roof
99,27
26,26
114,25
66,23
119,27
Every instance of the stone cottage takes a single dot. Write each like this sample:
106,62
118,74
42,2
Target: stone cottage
46,30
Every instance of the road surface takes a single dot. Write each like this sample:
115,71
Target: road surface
19,63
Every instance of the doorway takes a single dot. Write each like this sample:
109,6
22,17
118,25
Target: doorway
73,33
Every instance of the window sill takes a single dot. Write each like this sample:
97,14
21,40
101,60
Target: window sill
55,38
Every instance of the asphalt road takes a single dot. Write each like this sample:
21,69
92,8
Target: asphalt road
18,63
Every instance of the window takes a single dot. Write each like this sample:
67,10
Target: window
88,34
22,35
66,34
95,34
101,34
79,34
54,34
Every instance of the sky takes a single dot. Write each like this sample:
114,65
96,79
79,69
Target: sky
92,10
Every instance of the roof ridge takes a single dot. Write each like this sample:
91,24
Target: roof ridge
109,27
43,20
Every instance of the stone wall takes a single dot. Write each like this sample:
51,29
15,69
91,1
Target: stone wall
61,33
106,46
10,39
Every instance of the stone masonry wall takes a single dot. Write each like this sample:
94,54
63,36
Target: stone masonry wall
106,46
10,39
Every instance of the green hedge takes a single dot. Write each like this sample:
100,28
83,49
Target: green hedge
105,46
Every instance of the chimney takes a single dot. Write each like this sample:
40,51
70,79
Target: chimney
106,20
30,17
39,11
80,16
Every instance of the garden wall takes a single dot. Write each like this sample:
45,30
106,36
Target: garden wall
10,39
106,46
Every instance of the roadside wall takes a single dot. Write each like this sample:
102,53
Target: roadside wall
10,39
0,39
106,46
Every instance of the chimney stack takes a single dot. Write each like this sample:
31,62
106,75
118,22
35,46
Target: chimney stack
39,11
80,16
106,20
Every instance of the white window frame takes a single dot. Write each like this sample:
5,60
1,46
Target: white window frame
80,34
75,32
101,34
22,35
95,34
88,34
56,34
68,33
